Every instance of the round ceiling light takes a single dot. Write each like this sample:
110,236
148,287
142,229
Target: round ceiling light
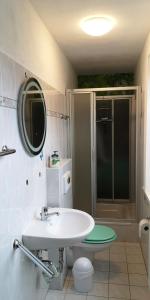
97,26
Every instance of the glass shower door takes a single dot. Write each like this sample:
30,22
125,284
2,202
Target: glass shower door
112,134
121,149
104,150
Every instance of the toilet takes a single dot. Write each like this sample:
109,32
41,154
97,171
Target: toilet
99,239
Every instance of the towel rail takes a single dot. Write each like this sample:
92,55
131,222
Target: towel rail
35,260
6,151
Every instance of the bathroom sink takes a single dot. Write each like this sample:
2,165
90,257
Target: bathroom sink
67,228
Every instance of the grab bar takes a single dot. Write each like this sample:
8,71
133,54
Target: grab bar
35,260
6,151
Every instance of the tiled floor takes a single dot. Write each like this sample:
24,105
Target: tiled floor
119,274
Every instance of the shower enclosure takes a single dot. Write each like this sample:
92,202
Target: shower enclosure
115,143
115,138
104,151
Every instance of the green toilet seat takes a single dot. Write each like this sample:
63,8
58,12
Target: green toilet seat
101,234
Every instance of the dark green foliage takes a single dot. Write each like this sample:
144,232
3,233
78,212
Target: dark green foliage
105,80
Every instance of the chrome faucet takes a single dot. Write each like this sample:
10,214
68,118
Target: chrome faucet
44,213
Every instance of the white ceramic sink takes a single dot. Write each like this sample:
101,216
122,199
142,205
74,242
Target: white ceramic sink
68,228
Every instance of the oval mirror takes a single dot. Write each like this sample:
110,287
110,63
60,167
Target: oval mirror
32,116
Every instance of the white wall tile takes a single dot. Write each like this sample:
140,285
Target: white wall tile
19,279
7,67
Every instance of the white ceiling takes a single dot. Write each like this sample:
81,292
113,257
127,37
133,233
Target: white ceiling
115,52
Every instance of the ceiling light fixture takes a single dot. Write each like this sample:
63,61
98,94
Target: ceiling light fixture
96,25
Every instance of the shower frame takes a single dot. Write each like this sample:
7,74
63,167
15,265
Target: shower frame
92,91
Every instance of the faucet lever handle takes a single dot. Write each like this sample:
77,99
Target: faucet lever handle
44,212
45,209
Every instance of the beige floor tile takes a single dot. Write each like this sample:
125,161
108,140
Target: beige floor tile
74,297
96,298
135,259
138,279
118,278
102,266
115,249
135,245
63,291
133,251
123,244
136,269
118,257
102,255
119,291
119,267
116,299
71,290
51,295
69,275
100,276
139,293
66,284
99,289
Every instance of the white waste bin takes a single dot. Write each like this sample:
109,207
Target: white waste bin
83,274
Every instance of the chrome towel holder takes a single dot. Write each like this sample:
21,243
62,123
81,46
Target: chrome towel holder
6,151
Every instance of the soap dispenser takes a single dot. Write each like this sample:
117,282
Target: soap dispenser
55,159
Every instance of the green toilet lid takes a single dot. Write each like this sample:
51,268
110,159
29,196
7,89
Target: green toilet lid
101,234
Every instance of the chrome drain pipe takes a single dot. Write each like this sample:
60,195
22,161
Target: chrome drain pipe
50,273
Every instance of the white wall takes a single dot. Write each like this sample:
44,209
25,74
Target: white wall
25,39
142,78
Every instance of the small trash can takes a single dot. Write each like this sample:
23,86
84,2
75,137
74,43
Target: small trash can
83,274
